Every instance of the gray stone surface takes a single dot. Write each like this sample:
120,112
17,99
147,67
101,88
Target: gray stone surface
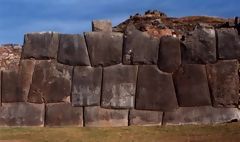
119,86
22,114
224,83
40,45
86,87
105,48
73,50
169,56
63,114
139,47
100,117
192,86
228,43
155,90
51,82
201,115
102,25
199,46
145,118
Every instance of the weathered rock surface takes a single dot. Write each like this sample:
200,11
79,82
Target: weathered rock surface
105,48
145,118
86,89
169,57
119,86
192,86
139,47
155,90
1,88
63,114
73,50
40,45
51,82
201,115
22,114
199,46
100,117
102,25
228,43
224,83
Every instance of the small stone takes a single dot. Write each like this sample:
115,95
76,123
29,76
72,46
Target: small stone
102,26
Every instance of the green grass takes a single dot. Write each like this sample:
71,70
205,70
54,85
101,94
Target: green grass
190,133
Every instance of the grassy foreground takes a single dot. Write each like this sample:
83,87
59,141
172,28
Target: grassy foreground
207,133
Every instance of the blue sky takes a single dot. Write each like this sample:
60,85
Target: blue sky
74,16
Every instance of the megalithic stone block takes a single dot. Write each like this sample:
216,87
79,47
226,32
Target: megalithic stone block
22,114
192,86
199,46
169,57
155,90
102,26
51,82
63,114
145,118
100,117
139,47
119,86
86,87
201,115
40,45
105,48
228,43
0,88
73,50
224,83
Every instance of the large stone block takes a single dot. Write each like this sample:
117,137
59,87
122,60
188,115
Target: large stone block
228,43
86,87
192,86
22,114
139,47
9,87
169,57
40,45
119,86
100,117
63,114
155,90
51,82
199,46
224,83
145,118
201,115
105,48
102,25
0,88
73,50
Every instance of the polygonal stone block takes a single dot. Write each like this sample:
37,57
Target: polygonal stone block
0,88
119,86
169,57
100,117
51,83
224,83
101,25
155,90
145,118
192,86
22,114
63,114
86,87
228,43
139,47
105,48
199,46
40,45
201,115
9,87
73,50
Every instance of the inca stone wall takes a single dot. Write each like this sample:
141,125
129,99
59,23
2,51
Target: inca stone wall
105,78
